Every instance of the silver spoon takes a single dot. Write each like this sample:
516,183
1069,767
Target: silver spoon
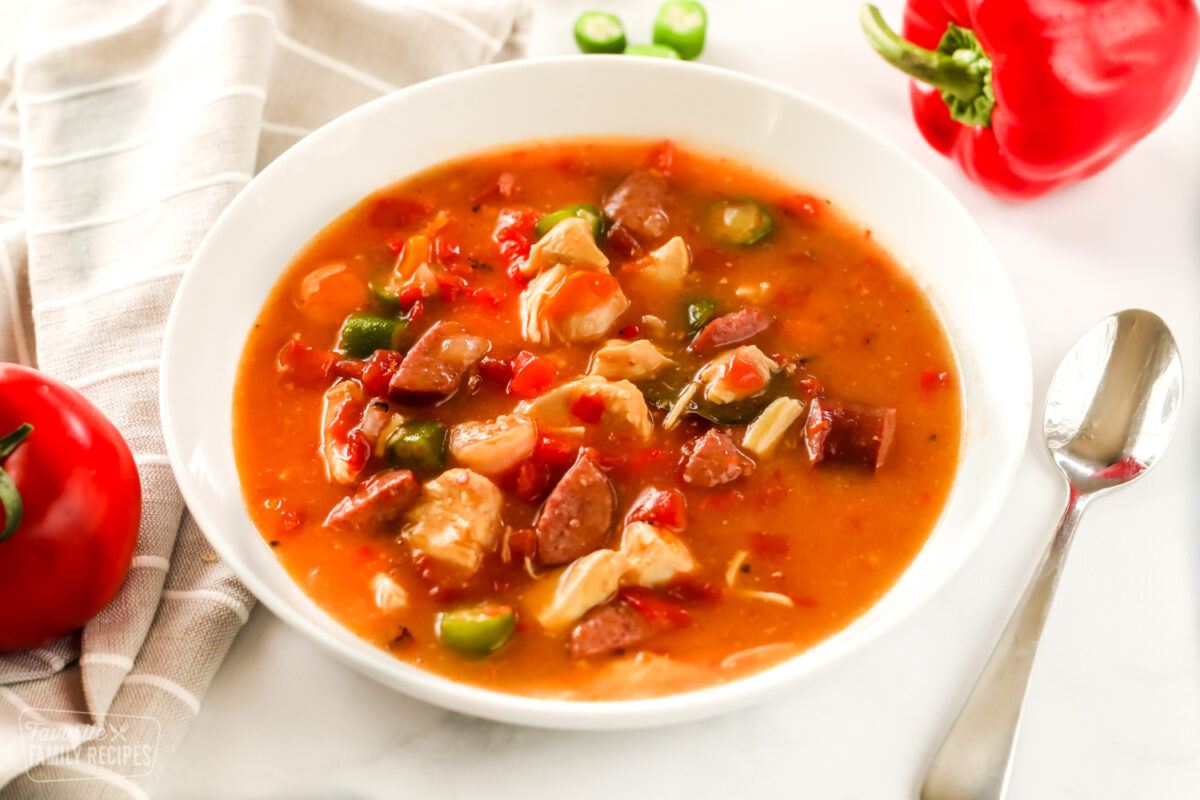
1111,410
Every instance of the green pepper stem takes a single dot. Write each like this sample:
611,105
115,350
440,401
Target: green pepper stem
10,496
927,66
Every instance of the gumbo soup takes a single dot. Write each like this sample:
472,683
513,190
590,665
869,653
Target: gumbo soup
595,419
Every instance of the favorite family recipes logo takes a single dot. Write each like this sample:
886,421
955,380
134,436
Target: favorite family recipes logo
120,744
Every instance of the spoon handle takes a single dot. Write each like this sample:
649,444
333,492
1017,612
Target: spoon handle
973,761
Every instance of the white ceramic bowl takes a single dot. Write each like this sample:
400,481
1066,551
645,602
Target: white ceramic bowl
804,142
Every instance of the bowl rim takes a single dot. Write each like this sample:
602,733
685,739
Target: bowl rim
602,714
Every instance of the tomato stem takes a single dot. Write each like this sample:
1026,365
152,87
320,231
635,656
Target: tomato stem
10,497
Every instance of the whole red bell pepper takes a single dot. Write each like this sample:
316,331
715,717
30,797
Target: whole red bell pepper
70,504
1030,95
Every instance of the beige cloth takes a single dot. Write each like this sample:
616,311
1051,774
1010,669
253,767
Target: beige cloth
125,128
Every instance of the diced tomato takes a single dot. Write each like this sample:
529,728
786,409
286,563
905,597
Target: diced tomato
396,242
396,212
298,363
809,386
446,250
409,295
496,370
768,544
662,157
659,507
588,408
489,298
450,286
742,376
629,332
658,611
514,235
532,480
377,375
801,205
286,520
554,452
415,311
532,375
934,380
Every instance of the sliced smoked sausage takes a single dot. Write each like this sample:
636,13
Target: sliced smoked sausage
436,364
578,514
609,628
848,432
713,459
378,501
734,328
638,205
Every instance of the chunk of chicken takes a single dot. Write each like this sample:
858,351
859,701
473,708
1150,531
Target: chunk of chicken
665,268
570,305
653,555
457,518
632,361
624,407
648,556
587,582
492,447
571,243
736,374
340,441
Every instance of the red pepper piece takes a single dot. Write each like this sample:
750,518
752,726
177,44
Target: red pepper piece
532,375
396,212
659,507
588,408
1028,96
658,611
300,364
450,286
377,374
514,236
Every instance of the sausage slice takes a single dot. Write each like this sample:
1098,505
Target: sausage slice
436,364
849,432
730,329
577,515
378,501
638,204
609,628
713,459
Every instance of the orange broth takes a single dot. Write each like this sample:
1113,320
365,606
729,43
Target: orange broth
831,538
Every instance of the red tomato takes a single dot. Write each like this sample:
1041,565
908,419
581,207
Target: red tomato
660,507
658,611
514,235
72,503
589,408
532,375
742,376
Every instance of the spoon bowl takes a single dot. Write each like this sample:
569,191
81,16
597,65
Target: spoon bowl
1114,401
1111,410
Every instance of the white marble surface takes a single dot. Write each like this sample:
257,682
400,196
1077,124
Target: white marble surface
1114,706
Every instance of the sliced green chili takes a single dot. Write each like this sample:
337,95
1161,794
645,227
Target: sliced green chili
599,32
655,50
418,445
363,334
681,25
588,213
739,221
478,630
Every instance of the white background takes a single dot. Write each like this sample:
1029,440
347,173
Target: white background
1114,706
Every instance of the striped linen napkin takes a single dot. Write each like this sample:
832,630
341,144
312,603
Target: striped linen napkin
125,127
